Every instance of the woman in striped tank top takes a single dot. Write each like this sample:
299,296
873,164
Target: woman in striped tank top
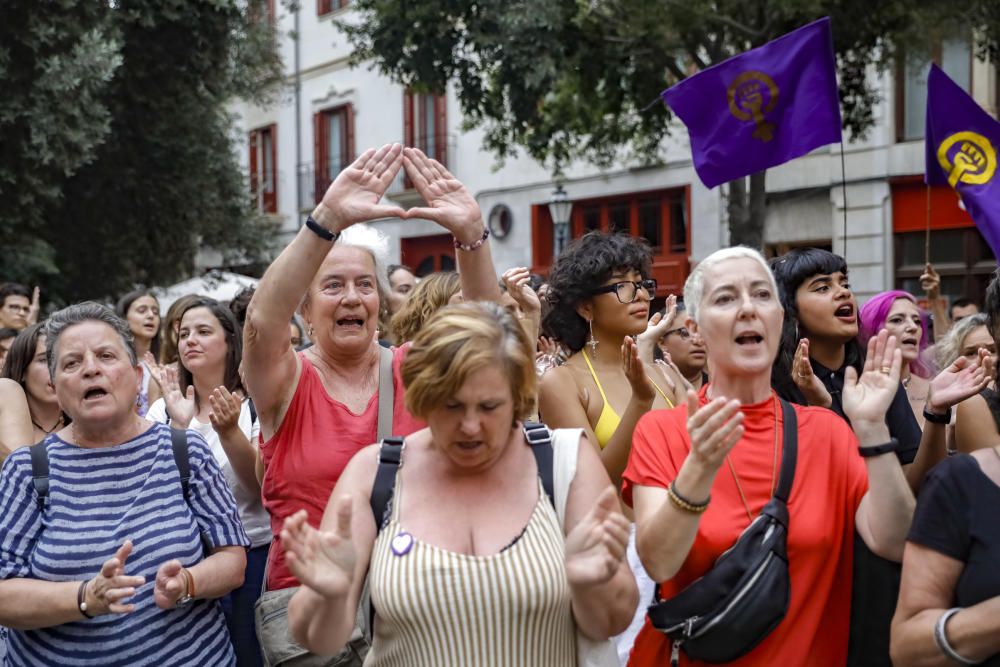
472,566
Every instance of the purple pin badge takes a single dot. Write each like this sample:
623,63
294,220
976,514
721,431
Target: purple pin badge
402,543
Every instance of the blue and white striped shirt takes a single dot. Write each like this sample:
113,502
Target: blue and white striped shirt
98,498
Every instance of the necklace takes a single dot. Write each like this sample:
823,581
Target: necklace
774,465
47,431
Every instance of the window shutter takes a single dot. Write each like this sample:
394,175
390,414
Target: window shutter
271,198
349,154
441,128
320,159
254,173
408,138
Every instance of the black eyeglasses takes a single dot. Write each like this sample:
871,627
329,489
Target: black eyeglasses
628,290
680,331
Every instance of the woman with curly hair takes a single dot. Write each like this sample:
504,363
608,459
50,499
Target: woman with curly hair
599,295
430,295
897,311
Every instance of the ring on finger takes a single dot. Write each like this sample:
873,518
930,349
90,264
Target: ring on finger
886,369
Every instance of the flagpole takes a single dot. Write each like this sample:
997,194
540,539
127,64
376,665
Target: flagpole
843,186
927,231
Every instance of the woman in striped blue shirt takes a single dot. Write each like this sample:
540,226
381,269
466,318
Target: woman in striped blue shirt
120,562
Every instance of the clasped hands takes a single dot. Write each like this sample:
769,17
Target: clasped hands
355,195
108,592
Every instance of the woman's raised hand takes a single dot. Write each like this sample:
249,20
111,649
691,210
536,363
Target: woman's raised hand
595,547
659,324
714,428
866,399
449,203
106,593
180,405
960,381
226,408
354,195
808,382
323,561
635,372
516,282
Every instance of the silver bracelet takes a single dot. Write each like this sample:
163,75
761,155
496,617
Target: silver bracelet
941,638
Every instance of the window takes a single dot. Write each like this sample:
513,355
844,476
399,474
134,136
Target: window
327,6
660,217
961,256
333,146
263,175
953,55
425,124
262,10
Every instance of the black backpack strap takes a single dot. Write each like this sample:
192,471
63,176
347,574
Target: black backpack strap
179,445
253,411
789,451
390,460
40,472
540,439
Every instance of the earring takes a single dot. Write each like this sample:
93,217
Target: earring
310,331
592,342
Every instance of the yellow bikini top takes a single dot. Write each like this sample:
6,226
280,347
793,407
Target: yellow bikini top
608,420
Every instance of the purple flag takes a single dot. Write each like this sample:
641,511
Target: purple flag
961,147
763,107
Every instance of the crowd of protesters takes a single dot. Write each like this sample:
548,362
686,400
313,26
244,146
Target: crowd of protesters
345,465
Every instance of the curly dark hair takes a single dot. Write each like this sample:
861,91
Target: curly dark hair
790,271
584,264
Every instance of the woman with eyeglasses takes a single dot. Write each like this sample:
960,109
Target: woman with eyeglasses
685,349
599,295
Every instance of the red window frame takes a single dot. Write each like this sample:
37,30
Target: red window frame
327,6
263,183
324,171
670,266
412,103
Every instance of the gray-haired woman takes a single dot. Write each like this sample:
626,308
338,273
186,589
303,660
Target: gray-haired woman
120,561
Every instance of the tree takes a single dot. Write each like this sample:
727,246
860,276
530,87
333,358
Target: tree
565,79
158,176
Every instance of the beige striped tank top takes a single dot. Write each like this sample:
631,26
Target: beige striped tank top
437,608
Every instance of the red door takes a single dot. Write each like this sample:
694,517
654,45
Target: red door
428,254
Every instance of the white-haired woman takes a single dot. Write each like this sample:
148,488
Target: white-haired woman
699,474
319,407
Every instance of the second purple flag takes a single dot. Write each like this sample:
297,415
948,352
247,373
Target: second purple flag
763,107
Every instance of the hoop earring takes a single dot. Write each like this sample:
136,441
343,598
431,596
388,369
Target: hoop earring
592,342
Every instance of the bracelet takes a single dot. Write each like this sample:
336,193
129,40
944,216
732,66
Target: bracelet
682,503
81,599
879,450
189,593
321,231
937,419
469,247
941,638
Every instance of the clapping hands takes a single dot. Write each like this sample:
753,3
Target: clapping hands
323,561
595,547
962,379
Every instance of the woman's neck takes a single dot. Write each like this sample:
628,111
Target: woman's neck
828,353
204,384
747,390
695,378
142,346
347,364
45,415
95,436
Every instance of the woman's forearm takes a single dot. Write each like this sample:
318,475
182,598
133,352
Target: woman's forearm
242,456
933,449
476,272
320,624
664,540
607,609
30,604
220,573
886,510
974,633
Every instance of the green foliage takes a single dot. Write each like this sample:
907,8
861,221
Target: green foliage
118,153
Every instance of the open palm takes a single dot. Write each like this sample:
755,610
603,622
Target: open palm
449,203
323,561
596,545
355,194
959,381
868,398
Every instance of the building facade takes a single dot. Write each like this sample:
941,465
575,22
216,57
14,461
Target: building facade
332,112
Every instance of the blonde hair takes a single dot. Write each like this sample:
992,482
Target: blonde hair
694,287
460,340
429,296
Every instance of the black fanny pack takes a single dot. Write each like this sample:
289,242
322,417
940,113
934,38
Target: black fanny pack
735,605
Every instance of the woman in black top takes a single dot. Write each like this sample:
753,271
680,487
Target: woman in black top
949,601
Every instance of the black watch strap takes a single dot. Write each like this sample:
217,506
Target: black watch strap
321,231
937,419
878,450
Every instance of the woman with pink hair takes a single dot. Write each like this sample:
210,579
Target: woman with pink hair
898,312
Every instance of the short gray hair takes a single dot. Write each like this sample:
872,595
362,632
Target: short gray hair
88,311
949,348
376,244
694,287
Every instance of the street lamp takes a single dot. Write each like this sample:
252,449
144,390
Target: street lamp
559,208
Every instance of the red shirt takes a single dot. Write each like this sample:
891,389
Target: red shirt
830,480
313,445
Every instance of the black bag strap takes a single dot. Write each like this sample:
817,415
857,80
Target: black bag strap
253,411
540,439
179,445
789,451
390,460
40,472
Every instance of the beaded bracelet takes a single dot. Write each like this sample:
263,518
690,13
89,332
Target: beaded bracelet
469,247
682,503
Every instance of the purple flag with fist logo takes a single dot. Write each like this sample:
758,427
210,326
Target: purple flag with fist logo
961,150
763,107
